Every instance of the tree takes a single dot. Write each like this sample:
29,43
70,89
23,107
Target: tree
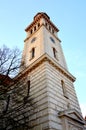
16,105
10,60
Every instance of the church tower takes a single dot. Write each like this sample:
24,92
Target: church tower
51,84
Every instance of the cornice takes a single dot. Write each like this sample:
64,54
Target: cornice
39,61
37,30
68,113
38,19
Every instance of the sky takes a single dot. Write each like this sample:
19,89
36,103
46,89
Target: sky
70,18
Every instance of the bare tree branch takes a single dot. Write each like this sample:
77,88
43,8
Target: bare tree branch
16,105
10,62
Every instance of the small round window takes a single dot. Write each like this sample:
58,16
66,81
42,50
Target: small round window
52,39
33,40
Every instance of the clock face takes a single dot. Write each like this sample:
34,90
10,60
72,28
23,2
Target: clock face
52,39
33,40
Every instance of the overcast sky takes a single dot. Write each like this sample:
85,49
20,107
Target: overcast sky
68,15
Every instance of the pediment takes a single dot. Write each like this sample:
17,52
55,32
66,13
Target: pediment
72,114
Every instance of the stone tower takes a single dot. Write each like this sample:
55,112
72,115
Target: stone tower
51,84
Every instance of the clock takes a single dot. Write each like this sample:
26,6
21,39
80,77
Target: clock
33,40
52,39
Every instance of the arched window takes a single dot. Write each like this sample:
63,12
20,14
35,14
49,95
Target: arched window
38,24
32,53
31,31
28,91
50,28
28,87
64,89
46,24
35,28
53,31
55,53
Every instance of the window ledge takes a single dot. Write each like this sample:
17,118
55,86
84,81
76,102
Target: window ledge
31,58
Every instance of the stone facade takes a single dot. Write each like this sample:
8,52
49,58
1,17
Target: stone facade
54,104
51,83
47,92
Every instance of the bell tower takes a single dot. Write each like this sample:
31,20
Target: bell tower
42,39
51,84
